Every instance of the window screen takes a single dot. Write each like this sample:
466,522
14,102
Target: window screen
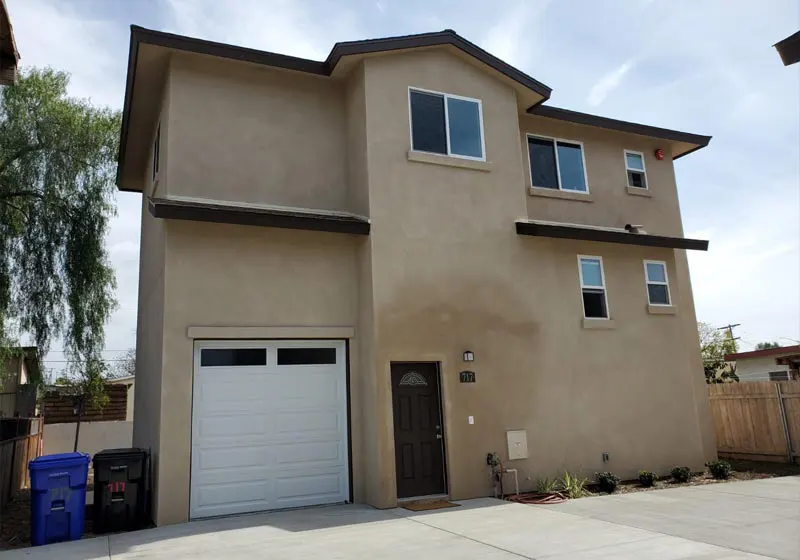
594,304
211,357
570,165
428,132
306,356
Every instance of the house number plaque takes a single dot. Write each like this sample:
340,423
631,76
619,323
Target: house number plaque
466,377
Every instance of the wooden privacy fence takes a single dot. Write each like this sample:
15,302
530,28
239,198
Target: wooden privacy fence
59,407
15,454
759,419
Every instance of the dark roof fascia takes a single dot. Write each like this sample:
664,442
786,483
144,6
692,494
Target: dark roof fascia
765,353
564,231
248,216
622,126
179,42
446,37
789,49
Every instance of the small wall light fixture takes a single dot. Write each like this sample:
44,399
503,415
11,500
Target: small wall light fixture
469,356
659,154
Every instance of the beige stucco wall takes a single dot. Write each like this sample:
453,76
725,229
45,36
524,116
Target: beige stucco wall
441,272
146,394
256,135
451,274
219,275
610,204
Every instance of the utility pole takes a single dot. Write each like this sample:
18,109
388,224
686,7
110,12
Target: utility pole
729,328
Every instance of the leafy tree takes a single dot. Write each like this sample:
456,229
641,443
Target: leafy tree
125,366
714,345
57,162
767,345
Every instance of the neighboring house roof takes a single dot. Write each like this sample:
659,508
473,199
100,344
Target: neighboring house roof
789,49
9,56
766,353
531,92
121,380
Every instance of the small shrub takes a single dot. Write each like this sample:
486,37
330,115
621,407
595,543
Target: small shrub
546,485
721,470
681,474
572,486
647,478
607,481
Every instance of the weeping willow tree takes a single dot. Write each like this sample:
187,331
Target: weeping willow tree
57,163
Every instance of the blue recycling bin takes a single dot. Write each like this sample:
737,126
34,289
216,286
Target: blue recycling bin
58,497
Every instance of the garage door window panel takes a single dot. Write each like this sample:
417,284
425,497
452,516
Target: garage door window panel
226,357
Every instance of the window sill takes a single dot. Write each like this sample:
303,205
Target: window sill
449,161
636,191
564,195
662,310
599,324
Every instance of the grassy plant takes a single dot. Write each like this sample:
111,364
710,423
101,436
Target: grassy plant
546,485
572,486
607,481
647,478
721,470
681,474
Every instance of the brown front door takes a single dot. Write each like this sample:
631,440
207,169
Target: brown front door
418,433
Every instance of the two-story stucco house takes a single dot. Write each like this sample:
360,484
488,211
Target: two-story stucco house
359,275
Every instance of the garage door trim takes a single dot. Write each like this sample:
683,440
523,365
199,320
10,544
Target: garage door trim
271,344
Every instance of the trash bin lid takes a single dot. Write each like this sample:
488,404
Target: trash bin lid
121,453
58,460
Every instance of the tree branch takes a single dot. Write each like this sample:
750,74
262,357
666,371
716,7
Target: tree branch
19,194
22,152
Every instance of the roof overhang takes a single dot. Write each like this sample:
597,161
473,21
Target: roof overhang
277,217
789,49
9,56
148,48
681,143
559,230
781,352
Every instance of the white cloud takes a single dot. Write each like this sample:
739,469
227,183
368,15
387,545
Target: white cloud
511,37
608,83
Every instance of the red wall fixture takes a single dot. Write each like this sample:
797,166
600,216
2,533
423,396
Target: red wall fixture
659,154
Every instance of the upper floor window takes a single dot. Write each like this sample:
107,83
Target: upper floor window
557,164
634,166
657,283
593,287
446,124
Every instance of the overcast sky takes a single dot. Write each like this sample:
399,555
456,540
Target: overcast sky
704,67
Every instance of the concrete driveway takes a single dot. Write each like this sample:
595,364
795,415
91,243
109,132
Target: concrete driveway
757,519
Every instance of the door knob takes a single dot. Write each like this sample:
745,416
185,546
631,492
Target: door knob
438,436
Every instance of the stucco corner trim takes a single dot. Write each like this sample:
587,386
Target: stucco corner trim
662,310
564,195
598,324
449,161
636,191
211,332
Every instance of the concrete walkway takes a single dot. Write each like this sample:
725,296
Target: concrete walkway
741,520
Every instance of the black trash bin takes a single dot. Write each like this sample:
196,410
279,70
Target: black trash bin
120,490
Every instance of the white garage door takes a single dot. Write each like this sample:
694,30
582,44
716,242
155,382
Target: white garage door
269,426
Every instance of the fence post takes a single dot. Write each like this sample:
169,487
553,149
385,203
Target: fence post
786,435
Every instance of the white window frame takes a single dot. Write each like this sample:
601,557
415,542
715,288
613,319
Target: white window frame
643,170
605,287
446,124
647,283
558,165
